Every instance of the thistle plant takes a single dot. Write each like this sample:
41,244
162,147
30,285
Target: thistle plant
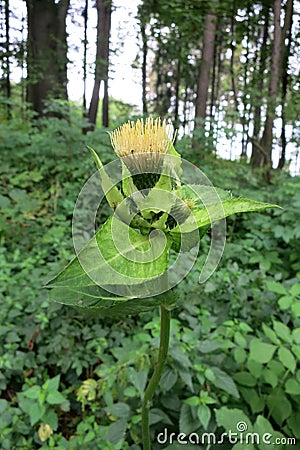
161,207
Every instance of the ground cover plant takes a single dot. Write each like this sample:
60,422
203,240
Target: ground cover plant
71,381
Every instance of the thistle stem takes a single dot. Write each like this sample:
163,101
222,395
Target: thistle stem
165,319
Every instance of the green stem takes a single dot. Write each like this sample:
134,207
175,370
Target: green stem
165,319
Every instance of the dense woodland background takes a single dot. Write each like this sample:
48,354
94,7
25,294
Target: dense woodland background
226,74
220,69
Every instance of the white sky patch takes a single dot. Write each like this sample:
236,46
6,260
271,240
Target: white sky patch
124,80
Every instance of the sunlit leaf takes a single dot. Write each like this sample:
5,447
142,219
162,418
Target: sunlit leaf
217,211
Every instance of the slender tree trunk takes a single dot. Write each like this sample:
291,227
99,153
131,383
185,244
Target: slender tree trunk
85,129
85,43
244,120
281,161
105,105
267,137
232,48
104,8
213,81
214,129
177,94
205,65
23,66
162,88
7,49
144,69
205,68
286,48
185,107
256,154
7,61
47,51
213,84
158,81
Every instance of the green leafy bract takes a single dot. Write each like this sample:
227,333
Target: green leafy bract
101,263
217,211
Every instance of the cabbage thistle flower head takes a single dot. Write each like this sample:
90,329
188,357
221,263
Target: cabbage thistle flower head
149,136
142,146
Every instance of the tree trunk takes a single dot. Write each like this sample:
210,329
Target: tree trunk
244,121
185,107
85,42
47,51
232,57
105,105
267,137
144,69
219,68
256,154
104,8
205,65
177,93
213,97
7,61
286,48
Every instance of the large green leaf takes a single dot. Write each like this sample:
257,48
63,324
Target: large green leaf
111,258
201,217
79,283
203,194
112,306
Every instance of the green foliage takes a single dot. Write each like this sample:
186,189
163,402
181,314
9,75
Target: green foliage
112,257
216,374
37,401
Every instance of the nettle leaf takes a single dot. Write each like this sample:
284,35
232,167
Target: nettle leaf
121,410
204,415
225,382
213,212
55,397
187,422
36,413
52,384
115,432
229,419
260,351
33,392
280,407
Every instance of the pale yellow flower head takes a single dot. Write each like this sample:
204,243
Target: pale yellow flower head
149,136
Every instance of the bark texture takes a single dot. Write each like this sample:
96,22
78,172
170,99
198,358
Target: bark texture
84,65
205,65
104,8
256,151
265,158
47,51
144,69
286,42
